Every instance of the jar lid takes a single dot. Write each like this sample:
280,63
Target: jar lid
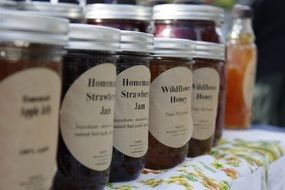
173,47
136,41
242,11
90,37
188,12
118,11
65,10
27,27
8,4
209,50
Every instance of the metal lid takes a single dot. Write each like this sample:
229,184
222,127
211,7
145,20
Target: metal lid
136,41
24,26
7,4
188,12
118,11
173,47
209,50
65,10
242,11
90,37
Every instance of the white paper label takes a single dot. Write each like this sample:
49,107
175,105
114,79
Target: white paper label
132,111
86,117
170,107
29,104
248,83
206,83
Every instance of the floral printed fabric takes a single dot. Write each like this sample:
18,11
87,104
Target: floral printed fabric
231,161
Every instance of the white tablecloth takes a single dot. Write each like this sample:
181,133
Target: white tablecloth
246,160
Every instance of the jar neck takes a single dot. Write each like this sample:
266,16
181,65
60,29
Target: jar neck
209,23
209,58
91,52
170,58
29,51
135,54
242,31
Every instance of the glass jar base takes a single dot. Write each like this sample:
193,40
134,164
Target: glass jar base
163,167
238,127
123,178
62,182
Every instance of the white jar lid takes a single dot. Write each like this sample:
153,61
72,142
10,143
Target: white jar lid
136,41
8,4
64,10
28,27
173,47
209,50
118,11
90,37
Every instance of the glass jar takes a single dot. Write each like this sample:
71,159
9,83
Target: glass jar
31,50
124,17
131,118
241,68
73,12
87,110
171,123
193,22
207,82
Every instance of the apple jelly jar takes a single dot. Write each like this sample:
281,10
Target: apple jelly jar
70,11
31,50
207,81
87,110
121,16
193,22
171,125
131,118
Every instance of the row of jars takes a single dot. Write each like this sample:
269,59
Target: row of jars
125,98
193,22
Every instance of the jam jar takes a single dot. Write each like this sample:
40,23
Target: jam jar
121,16
31,50
70,11
131,118
170,125
193,22
208,81
87,109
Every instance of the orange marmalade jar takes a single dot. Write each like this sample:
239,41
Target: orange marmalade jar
241,68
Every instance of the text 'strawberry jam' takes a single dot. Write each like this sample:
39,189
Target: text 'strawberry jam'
131,120
87,109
